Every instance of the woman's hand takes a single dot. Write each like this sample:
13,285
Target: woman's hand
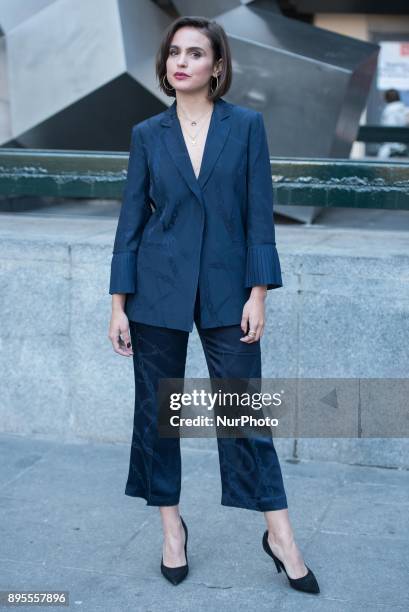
119,333
253,315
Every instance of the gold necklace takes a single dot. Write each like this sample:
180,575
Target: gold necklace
193,139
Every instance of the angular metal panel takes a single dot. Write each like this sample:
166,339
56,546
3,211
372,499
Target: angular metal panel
81,72
310,84
14,12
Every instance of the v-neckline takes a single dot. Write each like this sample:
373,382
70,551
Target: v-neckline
197,178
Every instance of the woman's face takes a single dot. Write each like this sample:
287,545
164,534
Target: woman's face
190,53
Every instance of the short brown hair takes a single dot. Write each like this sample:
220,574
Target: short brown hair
218,41
391,95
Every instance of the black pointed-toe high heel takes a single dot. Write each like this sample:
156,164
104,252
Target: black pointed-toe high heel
175,575
307,583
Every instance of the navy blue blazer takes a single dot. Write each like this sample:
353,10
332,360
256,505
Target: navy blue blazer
177,233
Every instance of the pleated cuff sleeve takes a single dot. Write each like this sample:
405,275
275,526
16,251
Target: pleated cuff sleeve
123,273
263,266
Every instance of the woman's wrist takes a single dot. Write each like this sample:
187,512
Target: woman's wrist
118,302
259,291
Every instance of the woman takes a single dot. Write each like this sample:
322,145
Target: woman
195,242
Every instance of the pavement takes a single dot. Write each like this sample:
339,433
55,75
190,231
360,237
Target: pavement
66,524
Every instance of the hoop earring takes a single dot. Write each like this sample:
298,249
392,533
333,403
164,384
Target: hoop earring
217,85
163,81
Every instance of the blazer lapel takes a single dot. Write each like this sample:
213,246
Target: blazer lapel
218,131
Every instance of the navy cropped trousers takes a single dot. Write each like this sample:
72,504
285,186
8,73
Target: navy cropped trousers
249,467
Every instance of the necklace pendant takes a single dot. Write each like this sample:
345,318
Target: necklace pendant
193,123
